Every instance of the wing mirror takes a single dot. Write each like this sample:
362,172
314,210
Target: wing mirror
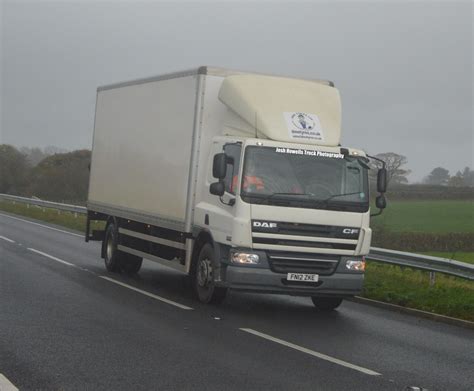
382,180
219,166
381,202
217,188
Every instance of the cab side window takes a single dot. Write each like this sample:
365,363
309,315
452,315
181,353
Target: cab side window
233,152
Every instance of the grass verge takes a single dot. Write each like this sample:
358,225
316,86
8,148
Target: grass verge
449,296
64,219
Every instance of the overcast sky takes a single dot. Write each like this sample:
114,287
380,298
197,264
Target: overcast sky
404,69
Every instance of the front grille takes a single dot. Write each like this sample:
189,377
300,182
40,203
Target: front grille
300,243
302,263
300,229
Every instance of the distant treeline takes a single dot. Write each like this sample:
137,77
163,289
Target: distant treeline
56,175
46,174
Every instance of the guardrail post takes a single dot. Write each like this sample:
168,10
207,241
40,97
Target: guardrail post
432,278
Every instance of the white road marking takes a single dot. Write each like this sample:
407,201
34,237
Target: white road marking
41,225
183,307
8,240
51,257
312,352
6,385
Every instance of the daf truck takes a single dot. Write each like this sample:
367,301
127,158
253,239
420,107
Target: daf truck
237,179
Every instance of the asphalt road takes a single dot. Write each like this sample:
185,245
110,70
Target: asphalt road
63,326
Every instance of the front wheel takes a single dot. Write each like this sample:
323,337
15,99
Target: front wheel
203,278
326,303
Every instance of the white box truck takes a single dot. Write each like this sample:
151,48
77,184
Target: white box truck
237,179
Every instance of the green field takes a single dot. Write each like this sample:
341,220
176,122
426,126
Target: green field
427,216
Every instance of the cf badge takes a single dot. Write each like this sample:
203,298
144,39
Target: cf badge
350,231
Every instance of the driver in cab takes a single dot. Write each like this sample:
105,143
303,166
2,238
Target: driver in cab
251,181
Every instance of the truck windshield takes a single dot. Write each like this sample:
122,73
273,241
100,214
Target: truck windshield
305,179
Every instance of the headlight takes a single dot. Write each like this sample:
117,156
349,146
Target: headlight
244,258
356,264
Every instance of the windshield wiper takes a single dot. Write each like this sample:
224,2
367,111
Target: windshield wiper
339,195
274,196
288,197
308,197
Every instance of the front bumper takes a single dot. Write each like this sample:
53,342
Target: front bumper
264,280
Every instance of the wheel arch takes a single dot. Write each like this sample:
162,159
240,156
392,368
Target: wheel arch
203,237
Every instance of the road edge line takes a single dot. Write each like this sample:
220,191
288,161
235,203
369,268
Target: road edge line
413,311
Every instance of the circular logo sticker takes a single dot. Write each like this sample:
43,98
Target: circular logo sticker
302,121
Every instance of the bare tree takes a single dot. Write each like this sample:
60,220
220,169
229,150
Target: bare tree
456,180
438,176
396,174
34,155
468,176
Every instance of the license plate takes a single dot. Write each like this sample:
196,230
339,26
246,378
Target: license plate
302,277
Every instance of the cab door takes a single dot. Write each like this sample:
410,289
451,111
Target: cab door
217,213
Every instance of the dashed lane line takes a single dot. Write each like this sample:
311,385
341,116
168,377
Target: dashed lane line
156,297
41,225
183,307
8,240
51,257
6,385
312,352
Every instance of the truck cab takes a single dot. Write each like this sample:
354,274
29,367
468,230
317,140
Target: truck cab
287,218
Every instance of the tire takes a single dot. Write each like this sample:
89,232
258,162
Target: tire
131,264
203,278
326,303
113,258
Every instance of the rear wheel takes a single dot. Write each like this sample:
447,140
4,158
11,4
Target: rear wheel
131,264
326,303
203,277
116,260
112,256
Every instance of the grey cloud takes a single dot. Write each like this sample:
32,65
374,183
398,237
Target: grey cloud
404,69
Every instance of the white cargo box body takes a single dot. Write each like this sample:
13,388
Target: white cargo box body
142,149
153,136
